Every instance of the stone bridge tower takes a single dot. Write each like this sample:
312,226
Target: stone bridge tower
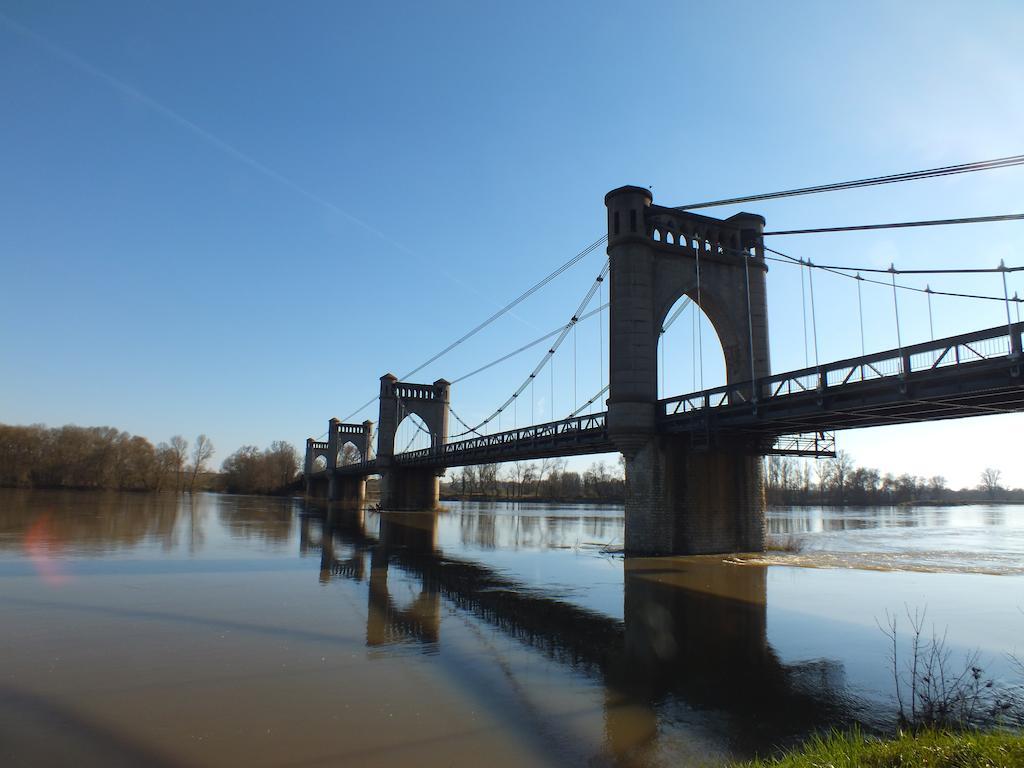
412,487
684,495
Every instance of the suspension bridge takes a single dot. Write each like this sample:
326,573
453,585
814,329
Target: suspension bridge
693,462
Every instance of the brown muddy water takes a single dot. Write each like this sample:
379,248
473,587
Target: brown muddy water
221,630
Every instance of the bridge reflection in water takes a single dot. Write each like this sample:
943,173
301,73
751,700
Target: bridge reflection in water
694,632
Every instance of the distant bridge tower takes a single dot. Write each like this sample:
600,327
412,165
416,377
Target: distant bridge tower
317,485
350,490
684,493
413,487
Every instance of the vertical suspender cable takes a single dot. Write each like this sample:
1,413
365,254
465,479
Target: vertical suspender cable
803,311
551,378
814,314
860,313
533,404
1006,300
574,395
1017,302
896,307
700,329
931,326
693,349
664,391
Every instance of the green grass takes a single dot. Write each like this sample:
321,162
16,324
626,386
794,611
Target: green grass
928,749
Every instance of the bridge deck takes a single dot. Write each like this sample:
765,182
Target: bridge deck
968,375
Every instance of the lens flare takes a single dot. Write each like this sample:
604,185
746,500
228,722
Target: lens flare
43,549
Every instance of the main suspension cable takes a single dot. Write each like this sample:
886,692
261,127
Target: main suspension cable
587,404
879,270
504,310
525,347
458,418
362,407
528,381
983,165
900,225
787,259
511,305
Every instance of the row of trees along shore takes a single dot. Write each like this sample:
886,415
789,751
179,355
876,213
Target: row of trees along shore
547,480
838,481
106,458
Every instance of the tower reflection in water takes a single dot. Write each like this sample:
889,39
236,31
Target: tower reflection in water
694,631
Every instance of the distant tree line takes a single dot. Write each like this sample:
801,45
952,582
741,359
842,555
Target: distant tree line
250,470
105,458
98,457
547,480
838,481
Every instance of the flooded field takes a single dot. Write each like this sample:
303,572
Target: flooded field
221,630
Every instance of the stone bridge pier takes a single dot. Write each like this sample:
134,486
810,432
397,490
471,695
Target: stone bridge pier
687,493
410,488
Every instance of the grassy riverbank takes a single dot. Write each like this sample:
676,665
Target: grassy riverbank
929,749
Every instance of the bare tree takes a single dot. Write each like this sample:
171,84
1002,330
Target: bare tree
284,463
546,465
179,453
823,469
990,481
466,478
201,453
841,467
528,476
514,477
937,485
487,477
932,691
164,466
349,455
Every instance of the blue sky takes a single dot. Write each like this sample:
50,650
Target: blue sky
232,218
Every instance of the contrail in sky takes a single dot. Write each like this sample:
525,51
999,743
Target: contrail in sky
197,130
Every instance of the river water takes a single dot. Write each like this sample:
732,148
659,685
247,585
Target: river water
225,630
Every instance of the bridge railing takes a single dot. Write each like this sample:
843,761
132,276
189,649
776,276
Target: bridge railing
566,428
990,344
356,466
